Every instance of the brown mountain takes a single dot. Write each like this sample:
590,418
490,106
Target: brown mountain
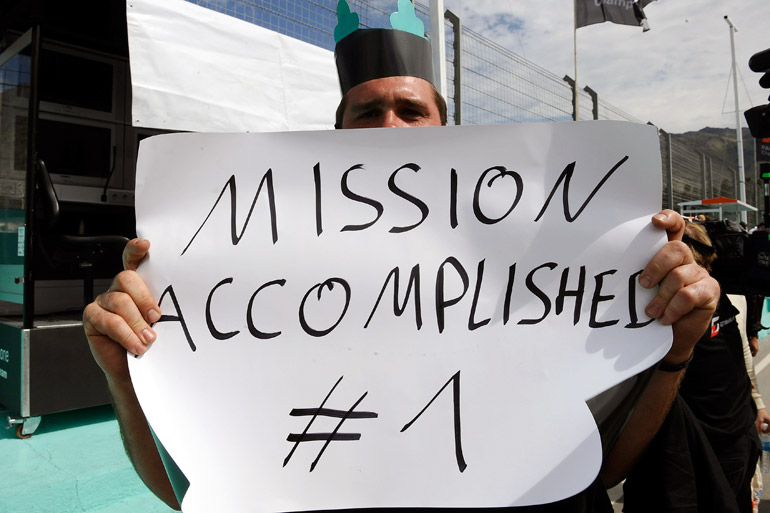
720,145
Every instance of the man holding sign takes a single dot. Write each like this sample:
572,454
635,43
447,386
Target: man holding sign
386,81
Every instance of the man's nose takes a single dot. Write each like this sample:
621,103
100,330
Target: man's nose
390,119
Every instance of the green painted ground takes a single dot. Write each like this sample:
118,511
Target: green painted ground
73,463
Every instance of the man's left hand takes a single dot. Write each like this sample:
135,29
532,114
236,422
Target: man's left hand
687,295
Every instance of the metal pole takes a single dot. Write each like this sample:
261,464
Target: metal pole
669,169
438,44
457,47
29,199
738,131
576,96
756,189
669,172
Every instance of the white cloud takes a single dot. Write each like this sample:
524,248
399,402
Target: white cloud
675,75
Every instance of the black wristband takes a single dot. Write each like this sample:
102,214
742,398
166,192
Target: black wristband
668,367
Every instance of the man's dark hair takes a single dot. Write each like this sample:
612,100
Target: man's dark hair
440,103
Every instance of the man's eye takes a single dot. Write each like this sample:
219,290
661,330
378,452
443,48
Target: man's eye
368,114
412,113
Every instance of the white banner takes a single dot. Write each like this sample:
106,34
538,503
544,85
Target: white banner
198,70
393,318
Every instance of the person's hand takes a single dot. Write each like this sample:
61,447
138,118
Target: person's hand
763,420
754,345
687,295
134,253
119,320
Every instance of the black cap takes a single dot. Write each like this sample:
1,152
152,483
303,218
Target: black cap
367,54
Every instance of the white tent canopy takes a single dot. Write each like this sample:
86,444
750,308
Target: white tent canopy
716,207
197,70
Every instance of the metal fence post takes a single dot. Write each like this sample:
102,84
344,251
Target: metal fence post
594,101
458,63
669,171
438,46
571,83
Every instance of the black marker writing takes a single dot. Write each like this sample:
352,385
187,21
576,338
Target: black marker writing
176,318
566,177
395,189
210,322
577,293
359,199
634,324
530,281
501,172
329,284
317,183
335,435
472,323
598,297
249,318
414,283
441,303
455,380
267,179
453,199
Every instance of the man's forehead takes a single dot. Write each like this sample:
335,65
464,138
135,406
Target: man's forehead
391,88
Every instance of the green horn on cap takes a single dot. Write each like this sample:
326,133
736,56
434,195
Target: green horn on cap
347,22
406,19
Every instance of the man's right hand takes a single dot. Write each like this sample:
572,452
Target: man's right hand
119,320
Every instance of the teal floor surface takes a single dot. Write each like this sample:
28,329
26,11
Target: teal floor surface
73,463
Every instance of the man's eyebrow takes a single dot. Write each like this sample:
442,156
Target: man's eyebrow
371,104
412,102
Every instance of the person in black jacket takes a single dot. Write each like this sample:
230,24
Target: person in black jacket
705,454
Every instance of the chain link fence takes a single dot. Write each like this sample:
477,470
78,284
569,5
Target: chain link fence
499,86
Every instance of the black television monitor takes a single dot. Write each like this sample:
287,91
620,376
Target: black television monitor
76,153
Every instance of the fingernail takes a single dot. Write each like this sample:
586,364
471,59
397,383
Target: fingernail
661,217
654,310
148,336
645,281
153,316
139,350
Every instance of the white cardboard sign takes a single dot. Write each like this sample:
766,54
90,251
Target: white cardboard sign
392,318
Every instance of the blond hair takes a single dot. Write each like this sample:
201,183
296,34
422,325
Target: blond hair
704,256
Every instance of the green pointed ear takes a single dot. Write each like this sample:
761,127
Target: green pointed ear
347,22
406,19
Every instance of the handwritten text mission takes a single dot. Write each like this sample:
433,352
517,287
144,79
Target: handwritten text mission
575,283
